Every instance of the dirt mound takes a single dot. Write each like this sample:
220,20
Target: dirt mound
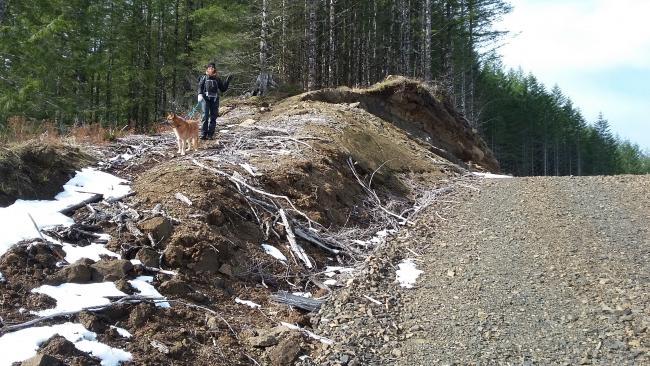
331,176
37,170
422,111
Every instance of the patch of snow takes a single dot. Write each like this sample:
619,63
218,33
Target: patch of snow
248,303
167,272
303,294
103,237
23,344
90,180
121,331
143,285
490,175
16,224
109,356
2,278
380,236
274,252
407,273
136,262
330,282
365,243
22,310
125,157
93,251
76,296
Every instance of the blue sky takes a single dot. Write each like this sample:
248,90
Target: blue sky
597,51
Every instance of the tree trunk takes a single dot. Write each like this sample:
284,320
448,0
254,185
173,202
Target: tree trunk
283,40
175,71
427,41
265,79
448,62
332,46
374,42
2,10
311,44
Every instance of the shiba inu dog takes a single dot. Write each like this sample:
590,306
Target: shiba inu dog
187,132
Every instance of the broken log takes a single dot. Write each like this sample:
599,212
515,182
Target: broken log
92,199
305,303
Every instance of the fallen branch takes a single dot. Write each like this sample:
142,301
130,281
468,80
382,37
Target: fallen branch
36,227
300,253
92,199
309,333
299,232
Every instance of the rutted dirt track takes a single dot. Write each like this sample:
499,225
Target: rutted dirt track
525,271
538,271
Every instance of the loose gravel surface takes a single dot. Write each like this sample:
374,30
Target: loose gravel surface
522,271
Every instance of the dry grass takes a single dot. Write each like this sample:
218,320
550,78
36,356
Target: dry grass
19,129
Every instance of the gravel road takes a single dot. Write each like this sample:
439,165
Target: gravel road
536,271
523,271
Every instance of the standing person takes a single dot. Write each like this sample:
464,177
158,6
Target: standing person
210,86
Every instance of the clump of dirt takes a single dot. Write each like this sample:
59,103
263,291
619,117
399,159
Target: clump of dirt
37,170
25,266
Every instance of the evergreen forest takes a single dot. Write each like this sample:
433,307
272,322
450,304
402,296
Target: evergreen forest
128,62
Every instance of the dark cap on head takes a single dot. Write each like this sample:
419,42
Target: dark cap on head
211,64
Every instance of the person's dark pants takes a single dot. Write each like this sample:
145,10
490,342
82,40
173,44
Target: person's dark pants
210,110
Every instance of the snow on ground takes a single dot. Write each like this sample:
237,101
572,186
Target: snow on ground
16,225
121,331
23,344
143,285
2,278
75,296
490,175
248,303
303,294
92,251
407,273
379,238
274,252
89,180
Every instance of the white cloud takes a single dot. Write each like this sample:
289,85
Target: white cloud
597,51
577,34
